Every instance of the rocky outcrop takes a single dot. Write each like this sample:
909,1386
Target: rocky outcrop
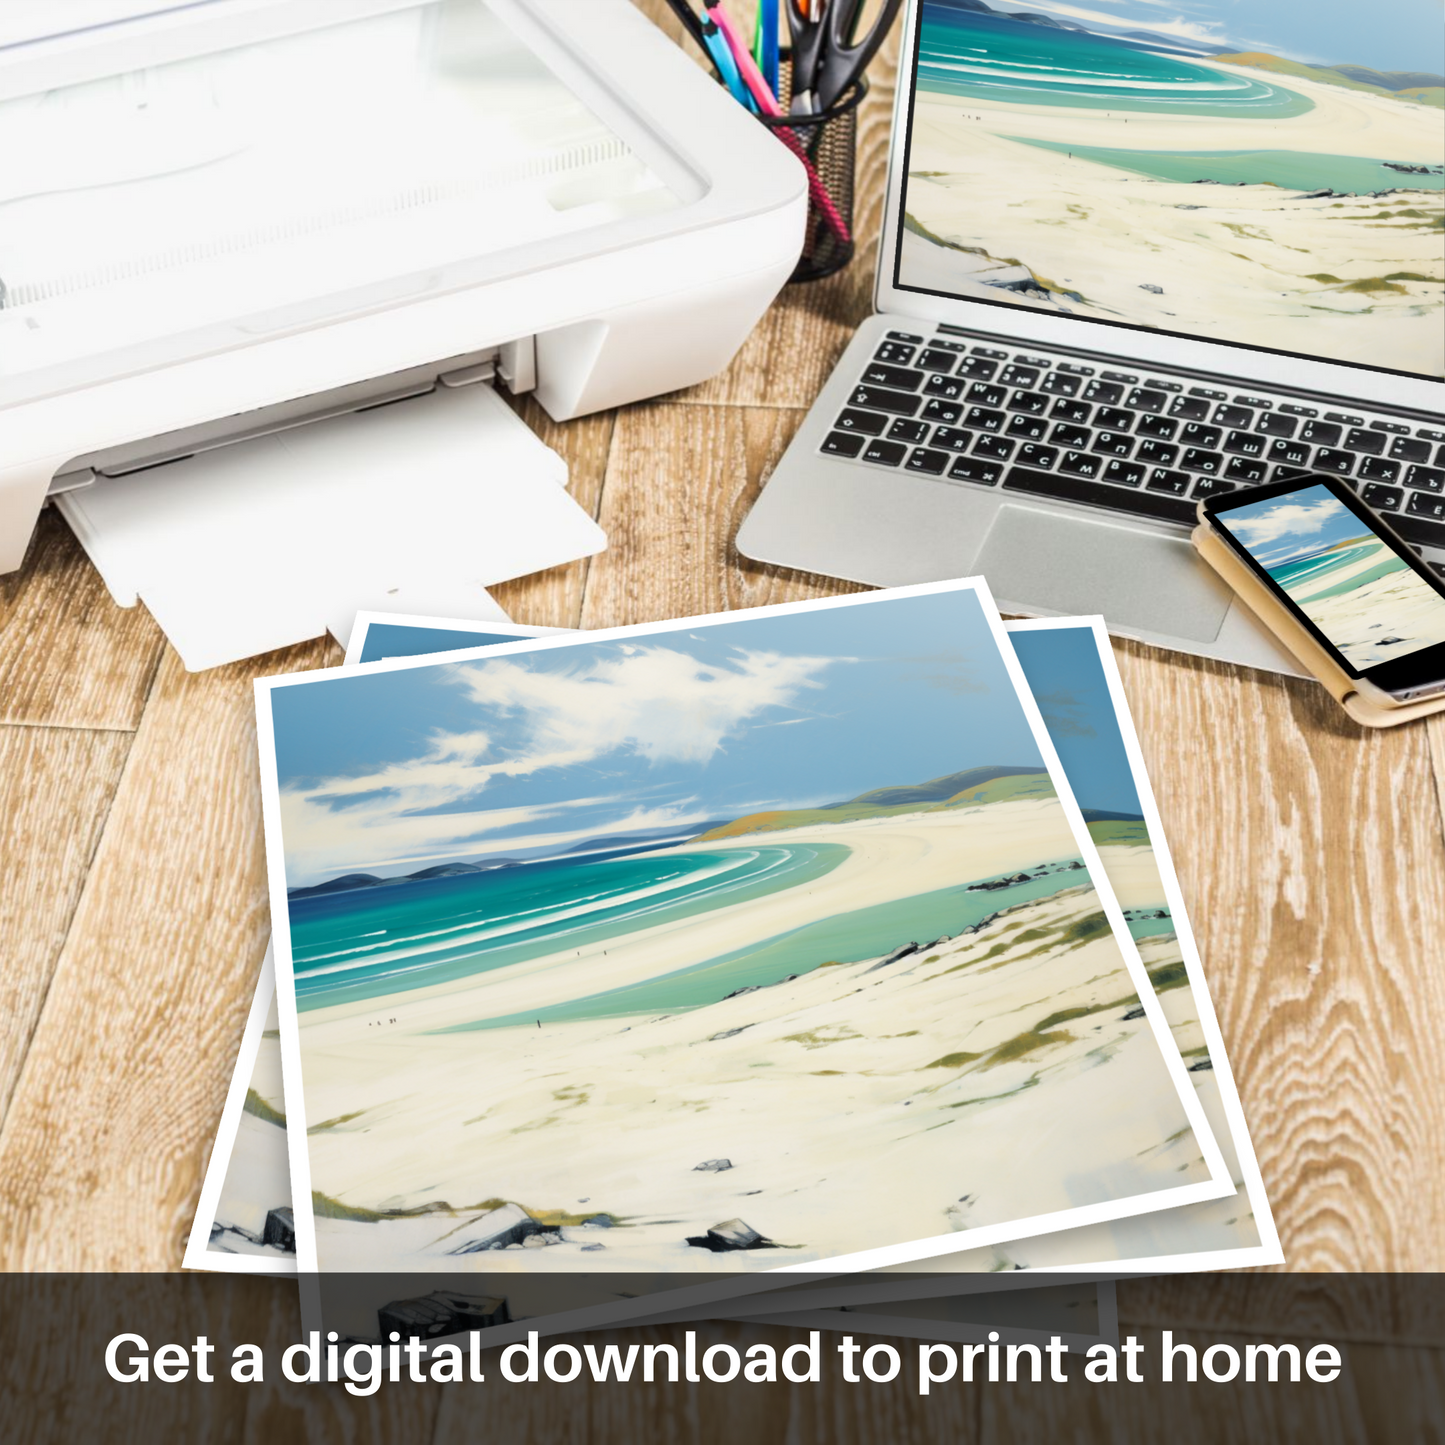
712,1166
279,1230
730,1234
442,1312
498,1228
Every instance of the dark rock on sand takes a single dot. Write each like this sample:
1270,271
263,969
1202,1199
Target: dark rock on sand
730,1234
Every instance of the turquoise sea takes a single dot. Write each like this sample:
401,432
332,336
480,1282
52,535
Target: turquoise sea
1290,170
379,942
987,57
1300,576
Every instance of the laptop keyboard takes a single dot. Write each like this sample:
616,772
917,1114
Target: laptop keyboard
1143,445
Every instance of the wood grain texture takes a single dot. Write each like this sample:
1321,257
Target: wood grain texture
56,786
110,1122
1310,854
69,657
554,598
680,480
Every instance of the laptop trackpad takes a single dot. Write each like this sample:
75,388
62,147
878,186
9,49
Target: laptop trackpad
1073,565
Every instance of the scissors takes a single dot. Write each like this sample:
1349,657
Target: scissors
828,56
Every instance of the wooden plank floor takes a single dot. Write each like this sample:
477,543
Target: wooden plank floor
133,908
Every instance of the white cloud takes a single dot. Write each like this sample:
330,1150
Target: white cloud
1286,519
1175,25
655,703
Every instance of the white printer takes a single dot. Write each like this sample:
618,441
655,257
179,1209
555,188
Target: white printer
225,220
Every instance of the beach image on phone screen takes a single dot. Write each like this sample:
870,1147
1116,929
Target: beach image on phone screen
1371,605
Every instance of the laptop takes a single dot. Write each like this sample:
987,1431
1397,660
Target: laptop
1134,255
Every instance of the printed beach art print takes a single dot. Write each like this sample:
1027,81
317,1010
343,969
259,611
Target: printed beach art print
741,943
1268,174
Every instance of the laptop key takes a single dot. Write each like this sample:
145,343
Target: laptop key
905,429
876,373
1272,424
886,454
1424,504
982,394
1040,457
843,444
1379,469
1322,433
978,368
1107,392
1113,418
1035,403
878,398
1407,449
997,449
1060,383
1160,427
1425,479
935,360
1073,488
1031,428
1189,408
867,422
1144,398
1212,486
1070,436
1195,435
1112,444
955,439
1235,416
895,353
1290,453
1245,444
945,411
924,459
1239,469
905,336
1081,464
982,419
1161,479
948,387
1419,531
1076,411
1332,459
1199,460
1156,454
1016,375
1124,474
974,469
1382,499
1372,443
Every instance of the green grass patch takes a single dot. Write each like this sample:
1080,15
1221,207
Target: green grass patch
256,1105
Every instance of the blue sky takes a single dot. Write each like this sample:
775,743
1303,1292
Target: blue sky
1293,525
1067,680
1397,35
390,772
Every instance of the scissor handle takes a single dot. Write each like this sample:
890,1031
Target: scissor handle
844,59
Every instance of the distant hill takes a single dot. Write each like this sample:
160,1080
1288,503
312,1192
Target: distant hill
1388,79
351,881
637,840
343,884
972,788
1349,76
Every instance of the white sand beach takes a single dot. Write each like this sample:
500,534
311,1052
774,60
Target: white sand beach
998,1075
1000,211
1380,619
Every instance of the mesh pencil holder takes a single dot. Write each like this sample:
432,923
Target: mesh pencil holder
827,145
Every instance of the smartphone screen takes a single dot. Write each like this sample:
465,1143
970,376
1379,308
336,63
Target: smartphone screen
1356,586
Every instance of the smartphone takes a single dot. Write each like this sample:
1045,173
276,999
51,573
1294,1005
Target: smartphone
1342,574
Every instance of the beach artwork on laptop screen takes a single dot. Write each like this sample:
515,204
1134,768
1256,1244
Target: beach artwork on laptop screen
734,944
1362,595
1269,174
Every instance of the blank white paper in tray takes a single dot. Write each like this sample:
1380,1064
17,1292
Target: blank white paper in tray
417,506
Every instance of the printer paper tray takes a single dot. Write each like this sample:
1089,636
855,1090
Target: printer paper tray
417,506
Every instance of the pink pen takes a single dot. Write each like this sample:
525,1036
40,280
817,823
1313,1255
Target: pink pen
768,105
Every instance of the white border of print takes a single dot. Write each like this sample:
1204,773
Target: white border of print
1218,1185
364,620
198,1255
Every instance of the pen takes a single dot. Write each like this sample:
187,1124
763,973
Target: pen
765,42
724,57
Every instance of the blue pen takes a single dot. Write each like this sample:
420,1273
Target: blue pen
768,26
727,67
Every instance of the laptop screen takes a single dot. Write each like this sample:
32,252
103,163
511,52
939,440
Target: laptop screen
1266,174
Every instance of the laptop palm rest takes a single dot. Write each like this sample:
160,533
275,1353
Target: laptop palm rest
1073,565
